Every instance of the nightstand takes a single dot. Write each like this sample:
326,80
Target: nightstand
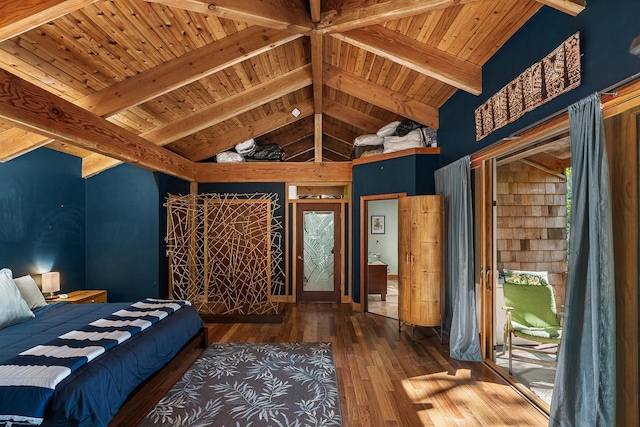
83,297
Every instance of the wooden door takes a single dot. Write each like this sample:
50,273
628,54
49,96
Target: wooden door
420,260
318,254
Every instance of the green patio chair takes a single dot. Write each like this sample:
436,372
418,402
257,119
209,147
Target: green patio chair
531,314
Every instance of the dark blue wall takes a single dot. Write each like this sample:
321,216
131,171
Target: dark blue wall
123,233
42,216
410,174
166,185
606,31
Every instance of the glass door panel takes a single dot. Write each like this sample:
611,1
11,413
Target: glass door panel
318,257
317,235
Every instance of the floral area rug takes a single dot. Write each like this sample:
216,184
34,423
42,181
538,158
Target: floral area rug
254,384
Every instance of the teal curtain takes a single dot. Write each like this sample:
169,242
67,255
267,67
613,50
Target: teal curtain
585,386
454,183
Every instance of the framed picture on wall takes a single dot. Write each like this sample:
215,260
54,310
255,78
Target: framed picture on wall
377,224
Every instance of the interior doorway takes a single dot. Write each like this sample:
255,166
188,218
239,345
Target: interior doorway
379,254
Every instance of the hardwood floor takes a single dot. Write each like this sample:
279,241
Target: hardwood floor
387,380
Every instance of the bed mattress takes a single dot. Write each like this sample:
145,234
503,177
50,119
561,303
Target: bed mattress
93,394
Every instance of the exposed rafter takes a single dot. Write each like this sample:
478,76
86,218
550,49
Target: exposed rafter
165,78
315,7
31,108
16,142
338,133
417,56
572,7
317,64
381,96
17,17
303,129
185,69
344,15
253,130
289,15
299,147
211,115
355,118
338,147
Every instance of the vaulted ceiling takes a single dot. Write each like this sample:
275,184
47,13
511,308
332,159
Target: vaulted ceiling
166,83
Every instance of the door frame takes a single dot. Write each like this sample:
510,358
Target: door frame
364,242
338,232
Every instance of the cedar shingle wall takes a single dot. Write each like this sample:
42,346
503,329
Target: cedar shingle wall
532,222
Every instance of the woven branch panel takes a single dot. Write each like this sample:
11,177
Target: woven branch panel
225,252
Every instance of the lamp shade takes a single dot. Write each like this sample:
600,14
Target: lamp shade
51,282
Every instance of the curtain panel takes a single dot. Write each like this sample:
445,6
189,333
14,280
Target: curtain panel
454,183
584,392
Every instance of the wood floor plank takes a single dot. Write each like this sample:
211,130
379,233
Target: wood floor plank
387,380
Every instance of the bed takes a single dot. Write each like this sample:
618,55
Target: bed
92,394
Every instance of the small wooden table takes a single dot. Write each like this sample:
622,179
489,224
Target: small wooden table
378,279
82,297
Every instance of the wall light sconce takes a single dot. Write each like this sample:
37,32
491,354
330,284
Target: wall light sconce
50,283
295,112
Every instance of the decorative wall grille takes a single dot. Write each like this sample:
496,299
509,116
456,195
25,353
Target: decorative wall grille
225,252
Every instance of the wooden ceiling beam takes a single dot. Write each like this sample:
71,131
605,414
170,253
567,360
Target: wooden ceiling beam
338,133
213,114
380,96
27,106
316,61
345,15
417,56
572,7
252,130
315,8
290,15
162,79
185,69
17,17
273,172
367,123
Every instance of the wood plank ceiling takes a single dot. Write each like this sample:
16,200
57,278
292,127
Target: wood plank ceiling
166,83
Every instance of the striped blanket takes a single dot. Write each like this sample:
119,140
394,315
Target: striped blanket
27,381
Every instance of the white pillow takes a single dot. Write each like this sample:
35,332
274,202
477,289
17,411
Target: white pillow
30,292
366,140
13,309
388,130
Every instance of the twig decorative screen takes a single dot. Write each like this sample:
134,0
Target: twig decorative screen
225,252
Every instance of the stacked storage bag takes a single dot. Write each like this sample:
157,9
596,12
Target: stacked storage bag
246,148
229,157
412,139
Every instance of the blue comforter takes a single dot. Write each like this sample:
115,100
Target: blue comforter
93,394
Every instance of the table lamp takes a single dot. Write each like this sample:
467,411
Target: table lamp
50,283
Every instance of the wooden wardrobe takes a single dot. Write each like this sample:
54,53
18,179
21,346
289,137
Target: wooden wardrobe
421,260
